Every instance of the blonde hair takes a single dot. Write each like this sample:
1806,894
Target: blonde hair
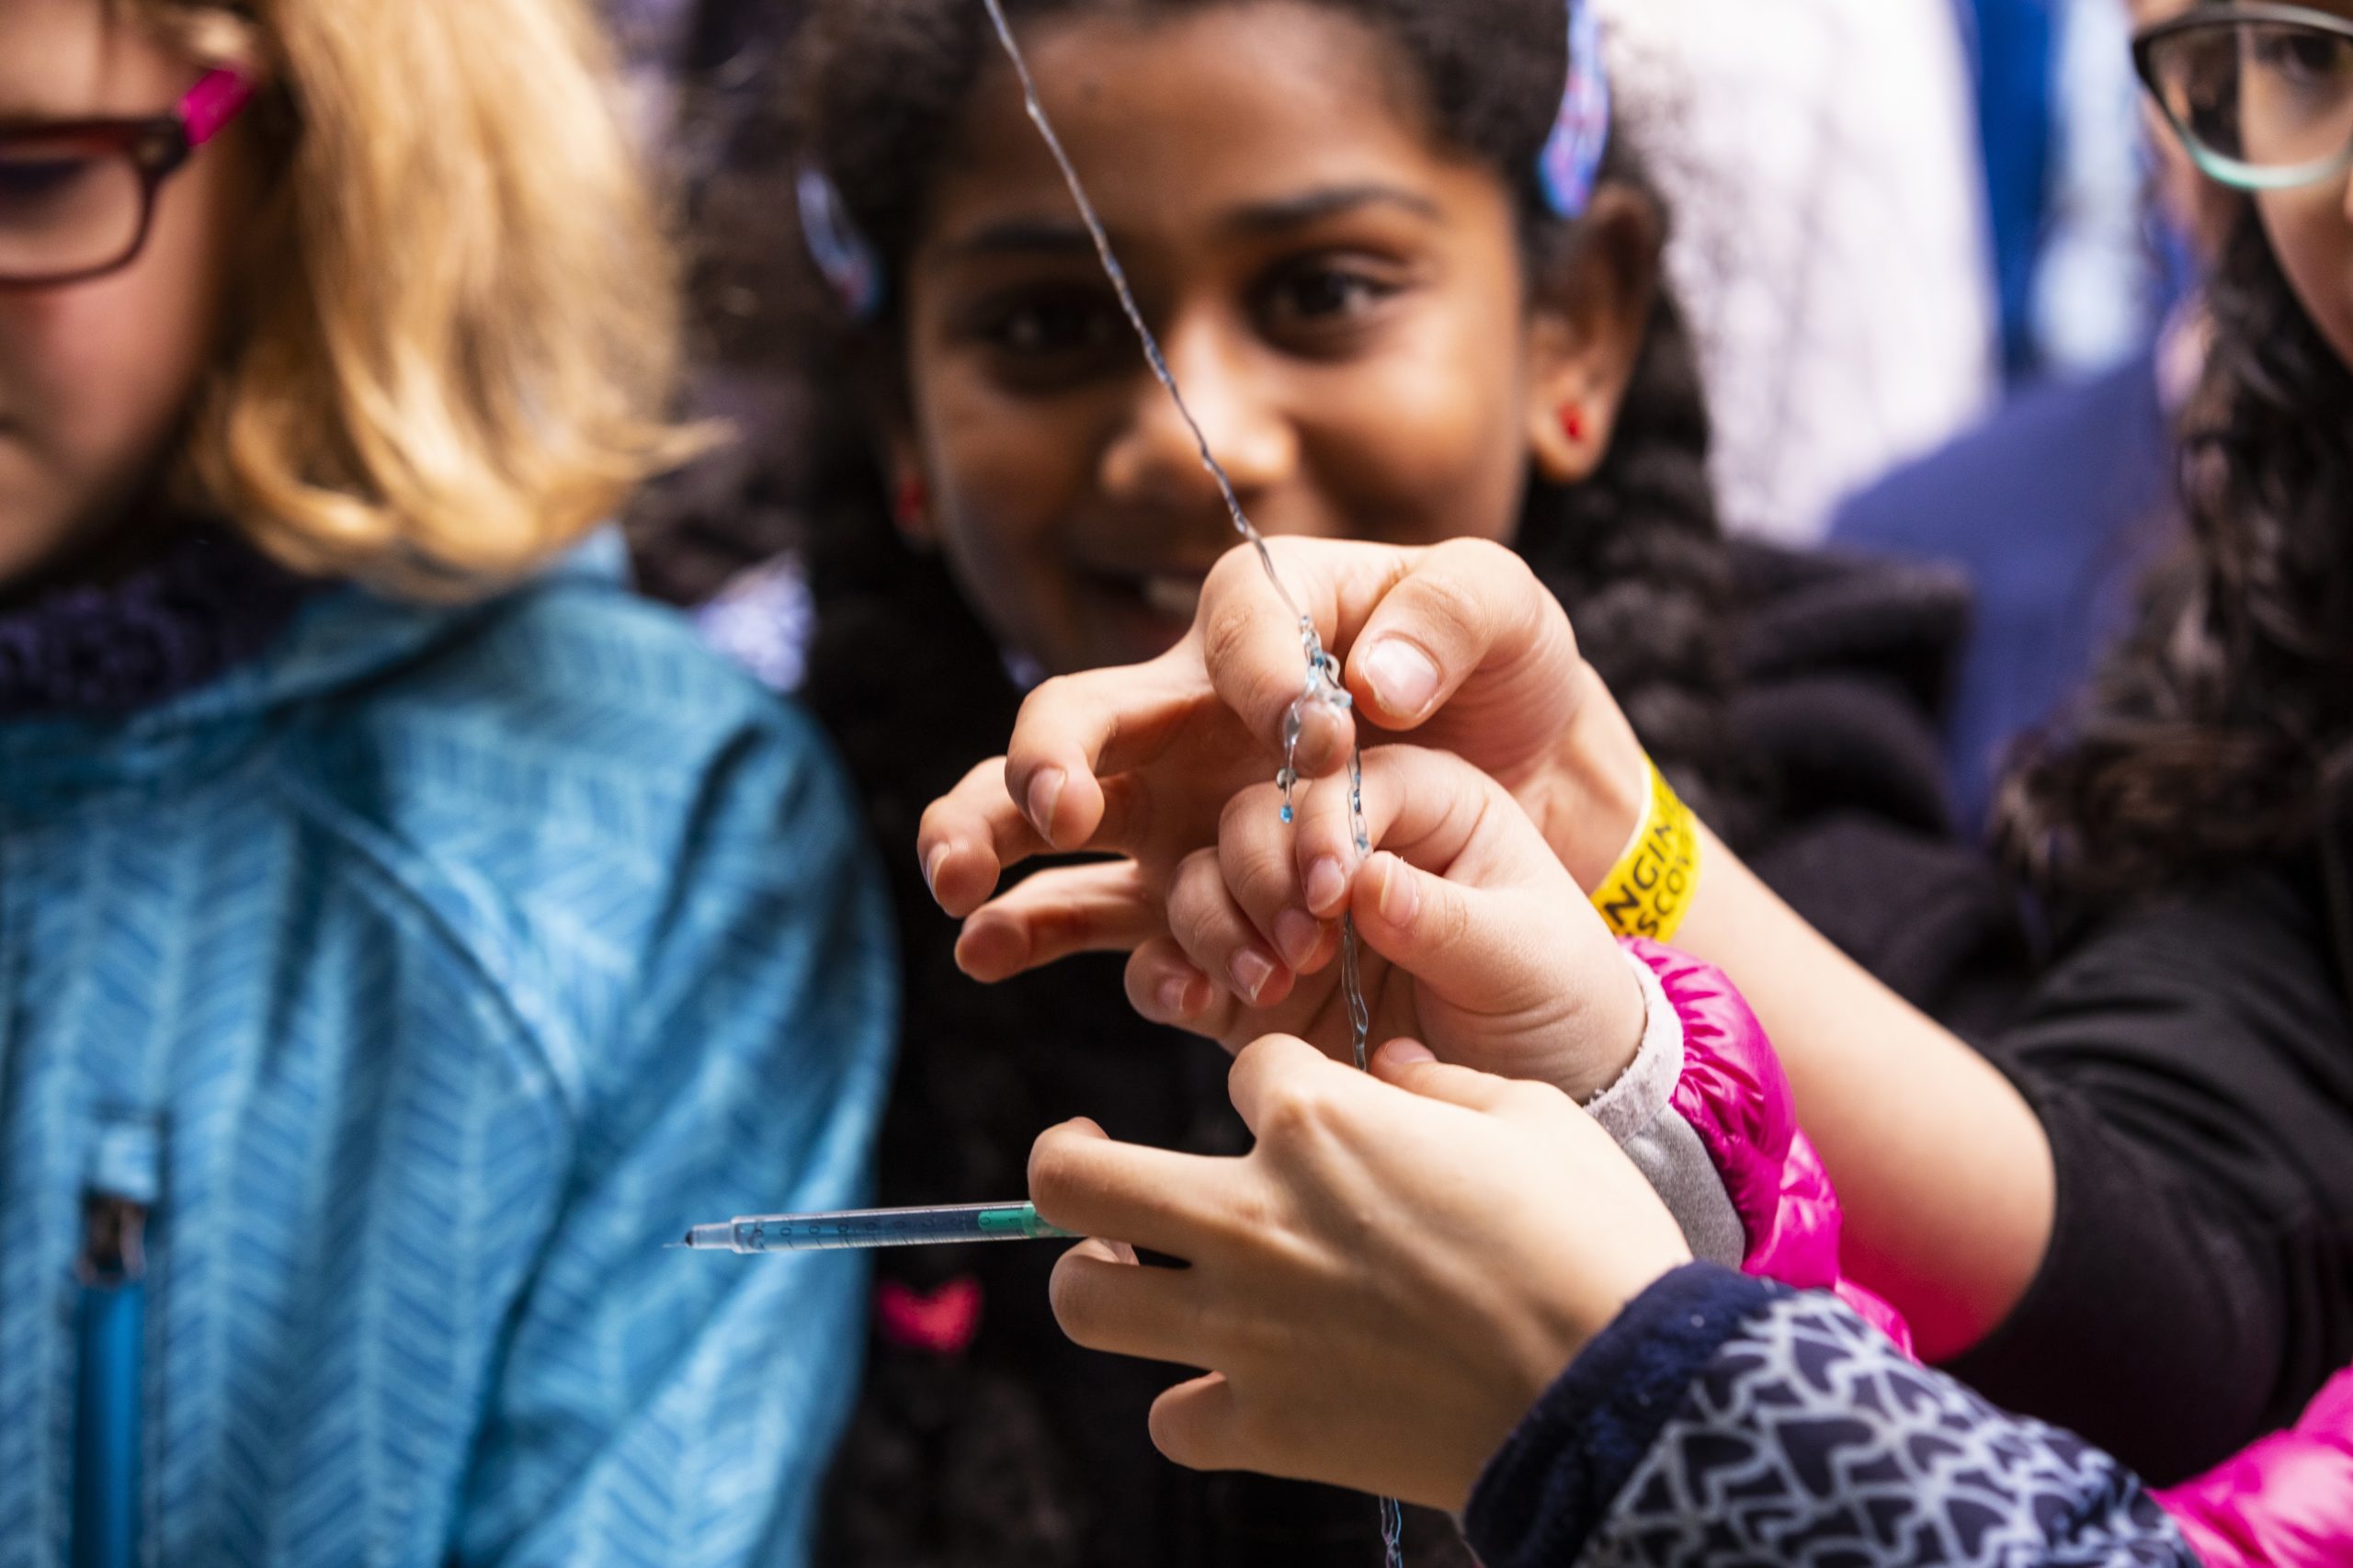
462,357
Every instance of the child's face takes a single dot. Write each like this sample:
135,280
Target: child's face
94,376
2311,231
1342,300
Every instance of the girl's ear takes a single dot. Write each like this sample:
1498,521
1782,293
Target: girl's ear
1590,313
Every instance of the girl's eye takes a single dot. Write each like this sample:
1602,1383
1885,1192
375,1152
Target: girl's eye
30,183
2301,57
1324,294
1050,326
1324,306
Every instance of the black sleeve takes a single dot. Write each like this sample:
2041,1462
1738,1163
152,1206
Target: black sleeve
1930,917
2193,1067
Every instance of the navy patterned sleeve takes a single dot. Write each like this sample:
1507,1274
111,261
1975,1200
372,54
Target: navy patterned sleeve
1722,1421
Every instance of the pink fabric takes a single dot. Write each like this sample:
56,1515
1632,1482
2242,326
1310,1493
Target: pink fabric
1735,1096
2285,1502
942,1323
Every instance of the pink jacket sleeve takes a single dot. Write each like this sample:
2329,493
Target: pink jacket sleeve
1731,1092
2285,1502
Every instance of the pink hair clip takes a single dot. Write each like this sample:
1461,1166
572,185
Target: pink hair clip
218,97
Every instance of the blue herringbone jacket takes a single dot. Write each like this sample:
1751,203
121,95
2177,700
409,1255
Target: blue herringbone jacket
418,979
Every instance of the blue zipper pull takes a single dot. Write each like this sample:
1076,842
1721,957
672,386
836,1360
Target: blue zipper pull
109,1386
109,1396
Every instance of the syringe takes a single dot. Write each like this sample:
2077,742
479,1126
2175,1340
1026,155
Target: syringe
857,1229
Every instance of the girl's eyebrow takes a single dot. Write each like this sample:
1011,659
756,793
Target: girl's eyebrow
1031,236
1016,236
1332,201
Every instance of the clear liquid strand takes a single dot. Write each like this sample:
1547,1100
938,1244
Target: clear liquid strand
1323,682
1119,276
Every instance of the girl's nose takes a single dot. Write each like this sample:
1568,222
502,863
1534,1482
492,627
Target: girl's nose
1154,459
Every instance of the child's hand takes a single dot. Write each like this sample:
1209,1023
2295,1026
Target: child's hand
1477,943
1457,644
1381,1289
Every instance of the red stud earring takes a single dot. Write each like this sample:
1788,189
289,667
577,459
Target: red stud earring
1573,421
912,503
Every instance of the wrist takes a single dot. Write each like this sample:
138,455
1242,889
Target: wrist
1590,795
1625,1024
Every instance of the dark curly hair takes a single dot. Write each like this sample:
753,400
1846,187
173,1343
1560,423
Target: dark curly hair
2220,730
1024,1450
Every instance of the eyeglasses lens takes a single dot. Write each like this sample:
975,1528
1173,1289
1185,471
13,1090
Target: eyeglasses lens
68,206
2263,103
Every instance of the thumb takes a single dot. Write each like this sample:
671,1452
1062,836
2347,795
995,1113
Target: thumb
1408,1065
1464,942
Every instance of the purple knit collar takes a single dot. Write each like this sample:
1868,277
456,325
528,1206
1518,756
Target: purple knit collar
208,603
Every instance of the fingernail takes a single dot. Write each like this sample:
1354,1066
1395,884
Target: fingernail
1175,992
1406,1053
1401,676
1296,934
1400,899
931,867
1045,794
1327,884
1252,969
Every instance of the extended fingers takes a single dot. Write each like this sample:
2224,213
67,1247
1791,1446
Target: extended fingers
1257,855
1218,938
1077,730
1117,1307
1085,1182
969,836
1164,987
1200,1425
1064,910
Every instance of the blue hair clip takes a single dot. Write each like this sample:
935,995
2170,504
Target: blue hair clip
845,257
1571,165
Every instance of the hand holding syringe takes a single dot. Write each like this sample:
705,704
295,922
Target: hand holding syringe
860,1229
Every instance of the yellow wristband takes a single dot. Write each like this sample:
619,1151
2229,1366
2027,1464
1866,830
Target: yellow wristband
1649,889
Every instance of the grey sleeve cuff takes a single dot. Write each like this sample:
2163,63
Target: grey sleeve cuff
1638,1110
